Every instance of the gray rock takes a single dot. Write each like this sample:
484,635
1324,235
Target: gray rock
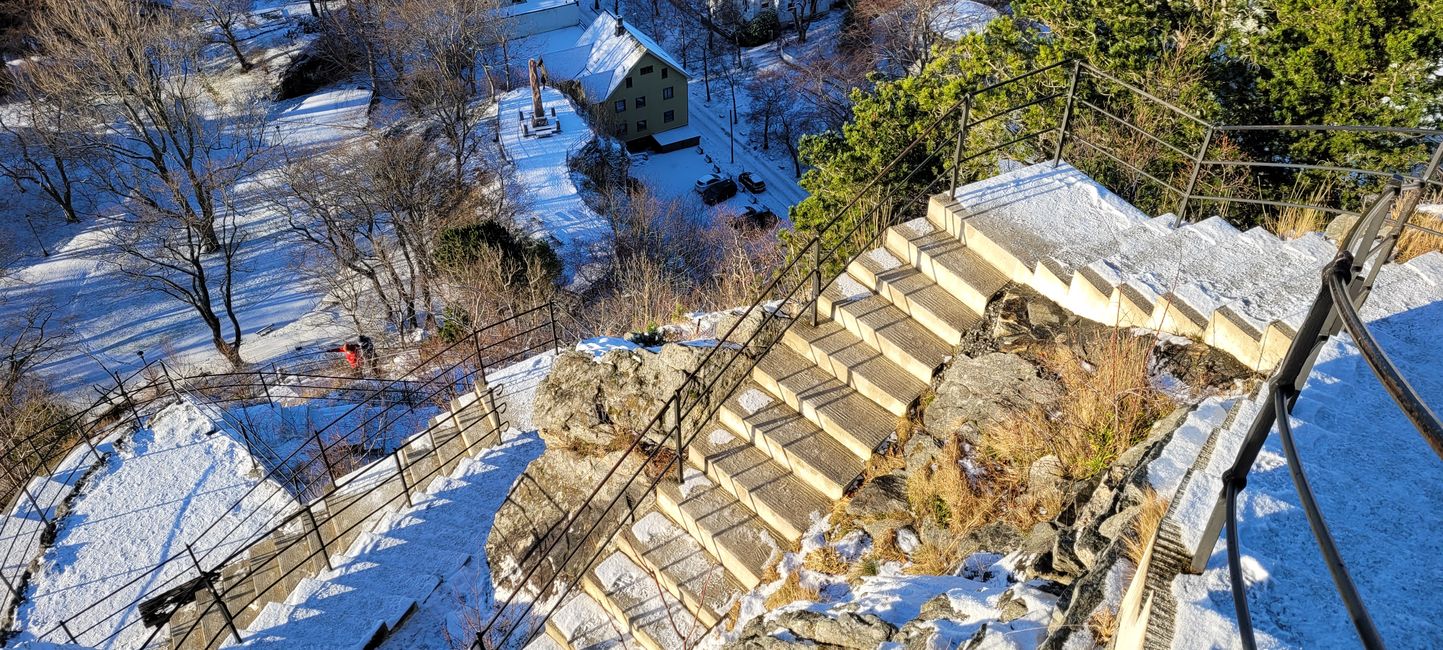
920,452
940,606
983,390
1045,473
880,506
1011,607
847,630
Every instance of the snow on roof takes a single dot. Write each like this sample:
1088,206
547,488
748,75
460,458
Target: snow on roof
606,56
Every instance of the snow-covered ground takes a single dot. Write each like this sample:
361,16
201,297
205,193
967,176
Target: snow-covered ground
101,306
1378,486
176,484
556,209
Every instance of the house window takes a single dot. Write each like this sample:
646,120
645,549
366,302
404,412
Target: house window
668,117
628,82
621,105
664,72
641,125
641,101
646,69
666,92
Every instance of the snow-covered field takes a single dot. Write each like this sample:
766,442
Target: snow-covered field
177,484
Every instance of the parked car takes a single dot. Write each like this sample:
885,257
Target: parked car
707,181
752,183
719,191
755,217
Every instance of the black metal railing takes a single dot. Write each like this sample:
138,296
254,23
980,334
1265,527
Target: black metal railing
1344,287
1015,119
310,470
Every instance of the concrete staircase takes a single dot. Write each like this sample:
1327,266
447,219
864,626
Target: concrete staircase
272,589
1353,441
788,443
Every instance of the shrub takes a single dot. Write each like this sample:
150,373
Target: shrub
761,29
462,246
455,323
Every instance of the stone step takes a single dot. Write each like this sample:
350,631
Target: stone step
1017,219
631,595
684,569
1132,279
782,499
732,534
791,440
944,259
832,348
883,326
1255,258
545,641
1240,327
358,628
914,294
855,421
1053,275
581,624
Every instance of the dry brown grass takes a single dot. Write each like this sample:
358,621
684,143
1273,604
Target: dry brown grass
1413,243
791,591
826,559
1108,406
1103,625
1149,519
1293,223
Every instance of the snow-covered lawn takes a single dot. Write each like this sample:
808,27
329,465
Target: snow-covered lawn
112,319
178,483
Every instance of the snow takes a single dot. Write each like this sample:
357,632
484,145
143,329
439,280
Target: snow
174,484
851,289
885,260
541,169
692,480
1165,473
1376,482
753,400
409,556
603,344
720,437
601,58
955,19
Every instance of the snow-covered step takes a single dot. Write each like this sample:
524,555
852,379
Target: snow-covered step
1053,276
945,260
1133,279
1017,219
875,320
630,593
854,362
1255,258
730,532
356,627
684,569
915,294
1240,327
791,440
855,421
581,624
1198,495
1407,286
782,499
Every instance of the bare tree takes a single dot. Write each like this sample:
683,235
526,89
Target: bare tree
435,46
903,32
225,16
802,12
45,149
771,95
28,338
164,143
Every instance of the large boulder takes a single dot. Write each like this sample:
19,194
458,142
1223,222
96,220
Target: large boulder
585,401
980,391
880,506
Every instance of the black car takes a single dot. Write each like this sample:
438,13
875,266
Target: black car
755,217
752,183
719,191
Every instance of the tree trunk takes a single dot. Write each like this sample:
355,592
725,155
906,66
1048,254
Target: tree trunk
205,228
315,13
230,40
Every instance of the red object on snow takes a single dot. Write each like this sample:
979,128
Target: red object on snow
353,353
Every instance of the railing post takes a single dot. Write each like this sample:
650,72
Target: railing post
166,371
961,144
816,277
330,471
25,489
265,388
1066,112
555,331
401,472
320,540
210,586
134,407
1192,178
676,421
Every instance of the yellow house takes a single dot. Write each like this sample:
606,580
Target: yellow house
637,89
